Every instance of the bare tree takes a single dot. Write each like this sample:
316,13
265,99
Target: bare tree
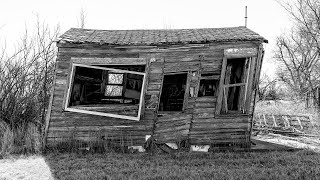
26,78
298,52
266,88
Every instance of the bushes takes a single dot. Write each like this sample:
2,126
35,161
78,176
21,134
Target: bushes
20,140
26,78
6,139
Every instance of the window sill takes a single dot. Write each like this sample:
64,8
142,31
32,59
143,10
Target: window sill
101,114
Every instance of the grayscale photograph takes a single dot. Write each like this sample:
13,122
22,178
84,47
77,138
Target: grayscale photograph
180,89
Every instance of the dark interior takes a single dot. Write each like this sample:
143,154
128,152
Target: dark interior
208,87
173,91
234,75
96,86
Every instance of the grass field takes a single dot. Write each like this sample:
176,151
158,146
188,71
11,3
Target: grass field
285,107
270,165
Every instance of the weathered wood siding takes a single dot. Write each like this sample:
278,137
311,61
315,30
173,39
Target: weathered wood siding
196,122
64,125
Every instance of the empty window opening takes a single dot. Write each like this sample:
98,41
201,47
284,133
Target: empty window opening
209,83
108,91
235,84
173,91
208,87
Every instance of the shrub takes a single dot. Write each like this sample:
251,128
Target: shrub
19,140
6,139
26,77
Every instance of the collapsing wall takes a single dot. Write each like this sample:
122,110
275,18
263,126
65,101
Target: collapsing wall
201,93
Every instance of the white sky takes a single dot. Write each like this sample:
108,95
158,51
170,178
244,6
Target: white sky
266,17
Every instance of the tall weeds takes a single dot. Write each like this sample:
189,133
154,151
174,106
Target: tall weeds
25,83
22,140
6,139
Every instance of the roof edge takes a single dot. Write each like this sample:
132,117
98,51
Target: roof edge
142,37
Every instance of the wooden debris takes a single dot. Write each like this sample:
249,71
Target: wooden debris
292,125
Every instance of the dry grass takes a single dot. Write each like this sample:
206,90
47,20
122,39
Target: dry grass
283,107
19,140
287,107
269,165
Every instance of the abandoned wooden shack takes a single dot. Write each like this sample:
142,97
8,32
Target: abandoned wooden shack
197,85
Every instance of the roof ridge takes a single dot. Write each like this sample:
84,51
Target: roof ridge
156,29
159,36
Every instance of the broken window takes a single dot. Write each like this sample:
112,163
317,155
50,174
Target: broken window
114,91
235,85
173,92
114,85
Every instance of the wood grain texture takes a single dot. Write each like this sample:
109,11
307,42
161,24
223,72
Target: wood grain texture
198,122
111,61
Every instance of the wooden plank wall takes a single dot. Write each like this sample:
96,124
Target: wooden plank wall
197,121
64,125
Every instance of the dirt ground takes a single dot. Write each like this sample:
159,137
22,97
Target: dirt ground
301,142
32,167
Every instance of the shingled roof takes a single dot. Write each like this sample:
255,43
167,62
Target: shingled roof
159,37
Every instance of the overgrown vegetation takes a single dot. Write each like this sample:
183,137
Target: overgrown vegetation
267,89
26,77
284,107
21,140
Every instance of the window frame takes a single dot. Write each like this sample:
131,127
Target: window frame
186,93
115,84
225,90
250,54
71,80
